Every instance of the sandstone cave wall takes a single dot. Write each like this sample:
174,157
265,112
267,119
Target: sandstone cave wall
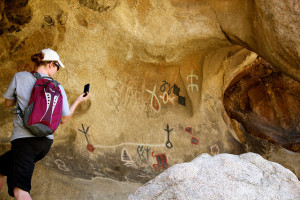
158,72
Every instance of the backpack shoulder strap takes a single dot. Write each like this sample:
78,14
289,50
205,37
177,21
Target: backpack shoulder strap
38,76
55,82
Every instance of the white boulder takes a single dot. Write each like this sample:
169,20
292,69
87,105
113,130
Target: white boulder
224,176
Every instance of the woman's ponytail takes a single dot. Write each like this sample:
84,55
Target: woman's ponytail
37,59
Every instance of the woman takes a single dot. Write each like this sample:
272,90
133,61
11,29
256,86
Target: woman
26,149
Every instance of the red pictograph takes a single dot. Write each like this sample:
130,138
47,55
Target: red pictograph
161,161
194,140
27,67
189,130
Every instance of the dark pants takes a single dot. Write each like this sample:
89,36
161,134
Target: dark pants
18,163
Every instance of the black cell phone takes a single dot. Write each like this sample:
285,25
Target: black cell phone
86,89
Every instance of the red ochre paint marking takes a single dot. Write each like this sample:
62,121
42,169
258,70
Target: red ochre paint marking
90,148
189,130
155,104
194,140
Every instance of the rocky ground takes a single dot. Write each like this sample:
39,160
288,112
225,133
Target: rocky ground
48,184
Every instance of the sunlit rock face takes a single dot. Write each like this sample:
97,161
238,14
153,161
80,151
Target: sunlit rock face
163,78
260,25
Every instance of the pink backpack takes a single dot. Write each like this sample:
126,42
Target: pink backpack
43,113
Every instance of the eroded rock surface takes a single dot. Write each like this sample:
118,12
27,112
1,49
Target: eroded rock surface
267,104
224,176
159,71
50,185
14,15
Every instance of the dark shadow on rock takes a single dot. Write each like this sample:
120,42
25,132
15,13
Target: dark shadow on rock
267,104
15,15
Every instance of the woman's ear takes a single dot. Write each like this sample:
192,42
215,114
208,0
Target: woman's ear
51,65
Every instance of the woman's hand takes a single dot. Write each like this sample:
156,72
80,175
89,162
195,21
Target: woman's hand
78,101
81,97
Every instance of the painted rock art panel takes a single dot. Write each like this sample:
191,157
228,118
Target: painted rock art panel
169,80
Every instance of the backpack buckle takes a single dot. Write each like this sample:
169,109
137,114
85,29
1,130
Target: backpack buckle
37,75
16,111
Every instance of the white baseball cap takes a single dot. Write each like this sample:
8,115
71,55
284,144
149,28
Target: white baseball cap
50,55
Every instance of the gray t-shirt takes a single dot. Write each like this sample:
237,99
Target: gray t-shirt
20,88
